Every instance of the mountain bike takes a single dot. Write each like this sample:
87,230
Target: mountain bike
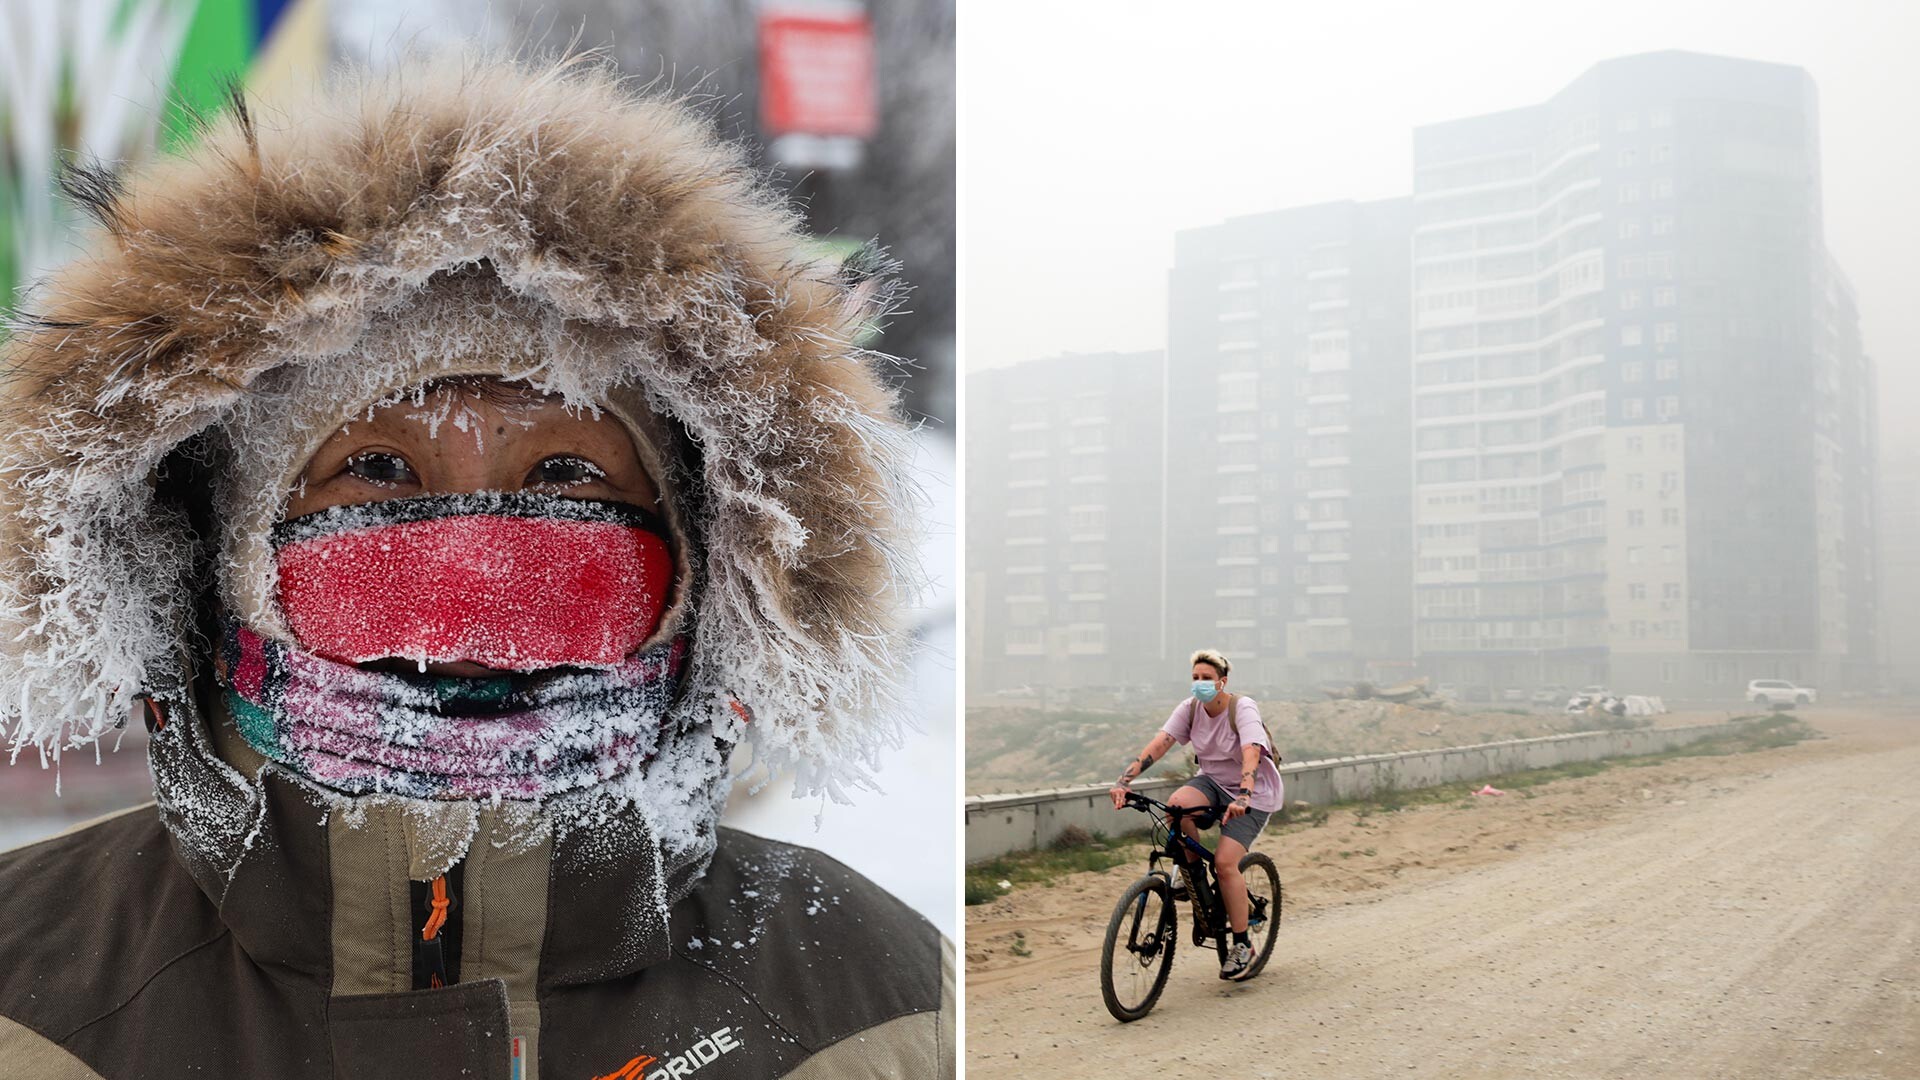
1138,953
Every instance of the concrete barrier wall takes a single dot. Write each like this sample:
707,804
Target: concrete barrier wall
1001,824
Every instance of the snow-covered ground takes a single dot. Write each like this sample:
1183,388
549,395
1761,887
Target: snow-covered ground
905,837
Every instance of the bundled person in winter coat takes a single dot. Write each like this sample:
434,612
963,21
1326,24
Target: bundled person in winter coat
451,477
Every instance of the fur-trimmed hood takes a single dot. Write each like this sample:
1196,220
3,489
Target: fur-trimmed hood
636,256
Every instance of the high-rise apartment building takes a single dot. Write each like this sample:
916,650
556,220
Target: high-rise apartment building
1642,415
1063,522
1899,506
1288,458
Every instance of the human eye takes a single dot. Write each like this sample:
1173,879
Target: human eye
380,467
564,470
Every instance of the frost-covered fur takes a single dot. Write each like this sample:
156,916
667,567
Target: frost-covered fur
385,234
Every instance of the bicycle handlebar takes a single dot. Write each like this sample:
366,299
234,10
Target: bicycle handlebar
1144,804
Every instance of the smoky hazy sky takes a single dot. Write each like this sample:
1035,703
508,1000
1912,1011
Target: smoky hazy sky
1092,132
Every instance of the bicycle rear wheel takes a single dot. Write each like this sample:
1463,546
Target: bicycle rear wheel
1264,902
1138,952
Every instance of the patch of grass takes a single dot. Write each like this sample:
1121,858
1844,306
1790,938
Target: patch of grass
1093,853
1073,836
1019,946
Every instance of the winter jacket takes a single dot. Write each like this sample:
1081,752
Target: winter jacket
457,218
124,956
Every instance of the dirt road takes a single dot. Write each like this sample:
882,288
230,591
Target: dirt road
1748,916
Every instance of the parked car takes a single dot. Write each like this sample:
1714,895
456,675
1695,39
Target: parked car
1547,695
1514,694
1476,693
1447,690
1780,692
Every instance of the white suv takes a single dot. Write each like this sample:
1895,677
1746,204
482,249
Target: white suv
1779,692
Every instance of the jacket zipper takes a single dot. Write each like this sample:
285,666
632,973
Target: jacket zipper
429,949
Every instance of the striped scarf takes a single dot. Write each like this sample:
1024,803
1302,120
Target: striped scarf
512,736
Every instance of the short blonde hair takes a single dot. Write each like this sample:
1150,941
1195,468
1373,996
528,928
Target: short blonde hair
1211,656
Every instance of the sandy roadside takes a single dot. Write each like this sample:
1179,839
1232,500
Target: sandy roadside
1740,916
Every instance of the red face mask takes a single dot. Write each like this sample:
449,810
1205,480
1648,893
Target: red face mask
516,581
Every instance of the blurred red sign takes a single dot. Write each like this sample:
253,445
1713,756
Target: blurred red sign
816,73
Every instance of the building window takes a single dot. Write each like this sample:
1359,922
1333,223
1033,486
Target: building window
1637,590
1669,481
1633,408
1635,444
1636,519
1666,333
1632,371
1627,122
1670,516
1630,192
1670,591
1661,188
1629,228
1629,299
1661,153
1634,556
1628,158
1661,117
1669,554
1636,481
1630,334
1662,224
1669,671
1665,296
1666,408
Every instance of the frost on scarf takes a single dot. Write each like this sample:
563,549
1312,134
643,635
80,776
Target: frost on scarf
538,226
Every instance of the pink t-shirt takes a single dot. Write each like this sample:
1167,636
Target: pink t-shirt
1217,740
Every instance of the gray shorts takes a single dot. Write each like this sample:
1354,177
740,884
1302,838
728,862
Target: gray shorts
1243,828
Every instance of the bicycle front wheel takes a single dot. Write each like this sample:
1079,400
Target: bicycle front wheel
1138,952
1264,903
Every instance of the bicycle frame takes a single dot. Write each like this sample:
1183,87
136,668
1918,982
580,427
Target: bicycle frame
1173,844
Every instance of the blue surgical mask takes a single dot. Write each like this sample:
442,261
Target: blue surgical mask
1204,689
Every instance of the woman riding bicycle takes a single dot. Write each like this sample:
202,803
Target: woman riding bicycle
1238,780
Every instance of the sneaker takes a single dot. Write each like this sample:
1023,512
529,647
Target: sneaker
1239,961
